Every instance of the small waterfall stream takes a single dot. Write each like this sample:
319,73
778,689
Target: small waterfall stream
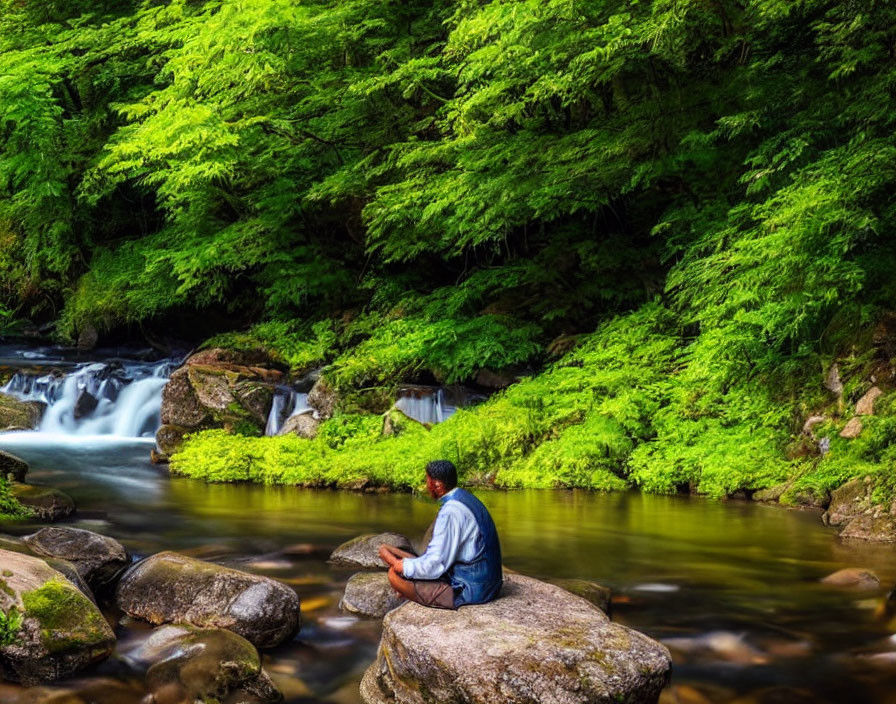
118,398
287,403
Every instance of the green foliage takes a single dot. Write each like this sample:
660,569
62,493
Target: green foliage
422,190
10,624
10,508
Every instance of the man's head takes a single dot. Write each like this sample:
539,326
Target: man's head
441,477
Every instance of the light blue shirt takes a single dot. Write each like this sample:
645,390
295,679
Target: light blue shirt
453,539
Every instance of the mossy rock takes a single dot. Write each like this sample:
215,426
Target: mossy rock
46,503
809,497
62,631
396,423
19,415
771,494
170,438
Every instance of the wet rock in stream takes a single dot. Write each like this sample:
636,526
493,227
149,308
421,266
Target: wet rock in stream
47,503
185,664
363,551
173,588
97,558
13,467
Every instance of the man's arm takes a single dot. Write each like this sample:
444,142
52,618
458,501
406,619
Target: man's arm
393,556
442,550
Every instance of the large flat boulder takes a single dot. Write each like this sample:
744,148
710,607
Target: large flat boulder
172,588
370,594
536,644
97,558
61,631
364,551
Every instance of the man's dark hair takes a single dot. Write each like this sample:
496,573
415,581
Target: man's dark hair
444,471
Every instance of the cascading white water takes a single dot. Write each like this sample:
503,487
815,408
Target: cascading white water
117,398
431,405
287,403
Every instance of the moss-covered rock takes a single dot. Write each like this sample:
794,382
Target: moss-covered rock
209,392
169,438
61,632
46,503
396,423
536,643
19,415
172,588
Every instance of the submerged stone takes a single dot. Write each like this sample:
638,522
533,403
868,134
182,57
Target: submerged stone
536,643
189,664
47,503
853,578
172,588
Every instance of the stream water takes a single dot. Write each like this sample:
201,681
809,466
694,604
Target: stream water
731,587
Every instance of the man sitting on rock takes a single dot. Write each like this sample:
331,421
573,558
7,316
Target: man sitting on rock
462,564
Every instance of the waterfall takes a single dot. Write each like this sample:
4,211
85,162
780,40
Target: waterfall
117,398
287,403
430,405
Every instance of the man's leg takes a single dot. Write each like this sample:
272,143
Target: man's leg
435,593
404,587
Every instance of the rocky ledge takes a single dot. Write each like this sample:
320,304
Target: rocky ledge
537,643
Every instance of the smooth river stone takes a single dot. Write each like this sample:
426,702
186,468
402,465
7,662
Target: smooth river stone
96,557
536,643
173,588
370,594
190,664
363,551
853,578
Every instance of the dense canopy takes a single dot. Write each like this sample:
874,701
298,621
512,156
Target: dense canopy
700,195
